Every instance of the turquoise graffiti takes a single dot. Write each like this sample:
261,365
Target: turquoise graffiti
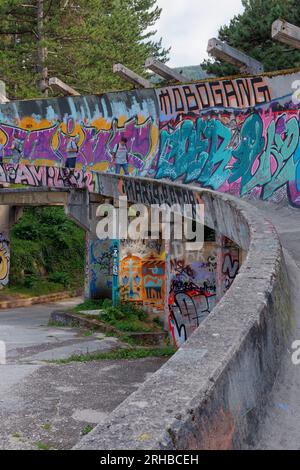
260,154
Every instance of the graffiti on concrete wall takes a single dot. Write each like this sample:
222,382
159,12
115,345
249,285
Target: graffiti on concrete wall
52,177
239,136
100,268
236,135
81,132
230,267
4,260
256,154
142,273
239,93
192,294
193,287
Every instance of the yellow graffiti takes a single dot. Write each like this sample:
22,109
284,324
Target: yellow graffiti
4,263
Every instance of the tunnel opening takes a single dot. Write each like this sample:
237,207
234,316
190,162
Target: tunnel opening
47,252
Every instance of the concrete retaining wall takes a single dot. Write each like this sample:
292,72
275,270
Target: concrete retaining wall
212,392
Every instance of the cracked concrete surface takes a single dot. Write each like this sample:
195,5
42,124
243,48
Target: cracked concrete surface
51,405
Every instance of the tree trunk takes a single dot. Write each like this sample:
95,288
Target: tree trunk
42,82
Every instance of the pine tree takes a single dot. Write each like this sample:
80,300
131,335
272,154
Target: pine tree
250,32
76,40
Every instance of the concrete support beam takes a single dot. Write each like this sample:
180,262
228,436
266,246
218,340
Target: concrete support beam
33,197
102,263
77,208
131,76
222,51
286,32
8,217
59,85
164,71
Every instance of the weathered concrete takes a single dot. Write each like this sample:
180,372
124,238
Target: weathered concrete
213,391
51,404
222,51
280,429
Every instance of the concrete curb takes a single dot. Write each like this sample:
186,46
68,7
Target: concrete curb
42,299
213,391
72,319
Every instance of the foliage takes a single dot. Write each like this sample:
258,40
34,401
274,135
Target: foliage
47,249
87,429
76,40
250,32
134,353
125,317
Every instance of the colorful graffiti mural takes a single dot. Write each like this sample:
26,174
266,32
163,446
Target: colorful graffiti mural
4,260
193,287
81,133
236,135
256,155
142,273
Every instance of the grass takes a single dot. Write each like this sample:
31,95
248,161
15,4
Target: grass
46,426
89,305
87,429
125,317
42,446
133,353
42,288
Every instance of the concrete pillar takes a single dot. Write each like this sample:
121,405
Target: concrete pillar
167,283
4,245
220,244
102,263
8,217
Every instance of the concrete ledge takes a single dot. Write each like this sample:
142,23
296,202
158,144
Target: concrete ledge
213,391
66,318
42,299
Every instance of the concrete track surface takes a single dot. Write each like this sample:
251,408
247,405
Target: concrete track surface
46,405
281,427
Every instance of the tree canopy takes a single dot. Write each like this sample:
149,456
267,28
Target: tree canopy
76,40
250,32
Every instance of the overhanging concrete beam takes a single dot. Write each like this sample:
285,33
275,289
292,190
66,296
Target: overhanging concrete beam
222,51
33,197
286,32
59,85
131,76
164,71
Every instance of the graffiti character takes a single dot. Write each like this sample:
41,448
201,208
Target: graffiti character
72,151
17,150
120,156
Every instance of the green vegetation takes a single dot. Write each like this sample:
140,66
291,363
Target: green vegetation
75,40
119,354
42,446
250,32
125,317
87,429
46,426
47,253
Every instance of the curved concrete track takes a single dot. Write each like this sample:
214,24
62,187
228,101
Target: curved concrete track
213,392
281,427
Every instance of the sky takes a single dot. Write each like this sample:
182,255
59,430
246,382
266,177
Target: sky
187,25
